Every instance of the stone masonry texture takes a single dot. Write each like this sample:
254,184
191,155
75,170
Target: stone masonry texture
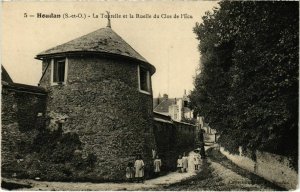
104,107
19,125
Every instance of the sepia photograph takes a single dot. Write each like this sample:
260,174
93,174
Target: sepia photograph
149,95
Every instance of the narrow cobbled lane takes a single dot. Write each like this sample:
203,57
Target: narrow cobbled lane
219,174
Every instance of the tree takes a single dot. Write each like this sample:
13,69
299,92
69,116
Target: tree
248,85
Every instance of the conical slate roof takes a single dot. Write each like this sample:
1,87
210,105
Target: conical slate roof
103,40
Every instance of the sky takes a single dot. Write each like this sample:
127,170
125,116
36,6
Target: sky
166,42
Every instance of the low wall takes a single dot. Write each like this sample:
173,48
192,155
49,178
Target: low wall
276,168
272,167
172,139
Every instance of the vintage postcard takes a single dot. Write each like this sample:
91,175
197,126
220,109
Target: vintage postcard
149,95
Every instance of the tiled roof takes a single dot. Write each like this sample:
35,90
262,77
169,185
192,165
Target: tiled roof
156,102
103,40
163,107
24,87
8,83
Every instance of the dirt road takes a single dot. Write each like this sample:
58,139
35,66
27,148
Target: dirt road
220,174
217,173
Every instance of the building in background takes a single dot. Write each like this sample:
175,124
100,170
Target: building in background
209,133
176,108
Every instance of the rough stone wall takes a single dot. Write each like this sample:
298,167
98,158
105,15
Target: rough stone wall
275,168
172,140
19,125
105,109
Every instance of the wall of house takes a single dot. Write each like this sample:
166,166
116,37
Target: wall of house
174,112
180,109
20,124
275,168
101,104
172,140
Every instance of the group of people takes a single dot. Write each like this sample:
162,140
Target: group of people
136,171
183,162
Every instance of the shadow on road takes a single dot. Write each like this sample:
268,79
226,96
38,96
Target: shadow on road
209,179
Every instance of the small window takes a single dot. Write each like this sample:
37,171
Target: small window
144,80
185,103
59,69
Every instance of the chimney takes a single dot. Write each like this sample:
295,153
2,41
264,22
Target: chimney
165,96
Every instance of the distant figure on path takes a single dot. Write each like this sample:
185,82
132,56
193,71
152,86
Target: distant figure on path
184,163
130,172
157,165
201,138
179,164
196,159
139,169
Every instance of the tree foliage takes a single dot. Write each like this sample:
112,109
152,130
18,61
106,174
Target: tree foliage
248,85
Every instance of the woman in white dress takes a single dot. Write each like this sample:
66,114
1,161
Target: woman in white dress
139,169
196,160
184,163
157,165
179,164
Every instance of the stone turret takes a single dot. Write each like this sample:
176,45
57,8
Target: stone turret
102,88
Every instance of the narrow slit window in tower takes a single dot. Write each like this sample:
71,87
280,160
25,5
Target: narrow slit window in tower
59,71
144,80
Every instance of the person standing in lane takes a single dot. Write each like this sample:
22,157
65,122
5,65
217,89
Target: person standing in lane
196,159
179,164
184,163
157,165
202,149
130,172
139,169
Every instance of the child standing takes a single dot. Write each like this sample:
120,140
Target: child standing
130,172
179,164
157,165
197,161
184,162
139,168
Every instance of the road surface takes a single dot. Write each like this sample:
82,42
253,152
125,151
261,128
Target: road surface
217,173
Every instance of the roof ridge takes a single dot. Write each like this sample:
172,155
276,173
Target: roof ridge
70,41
